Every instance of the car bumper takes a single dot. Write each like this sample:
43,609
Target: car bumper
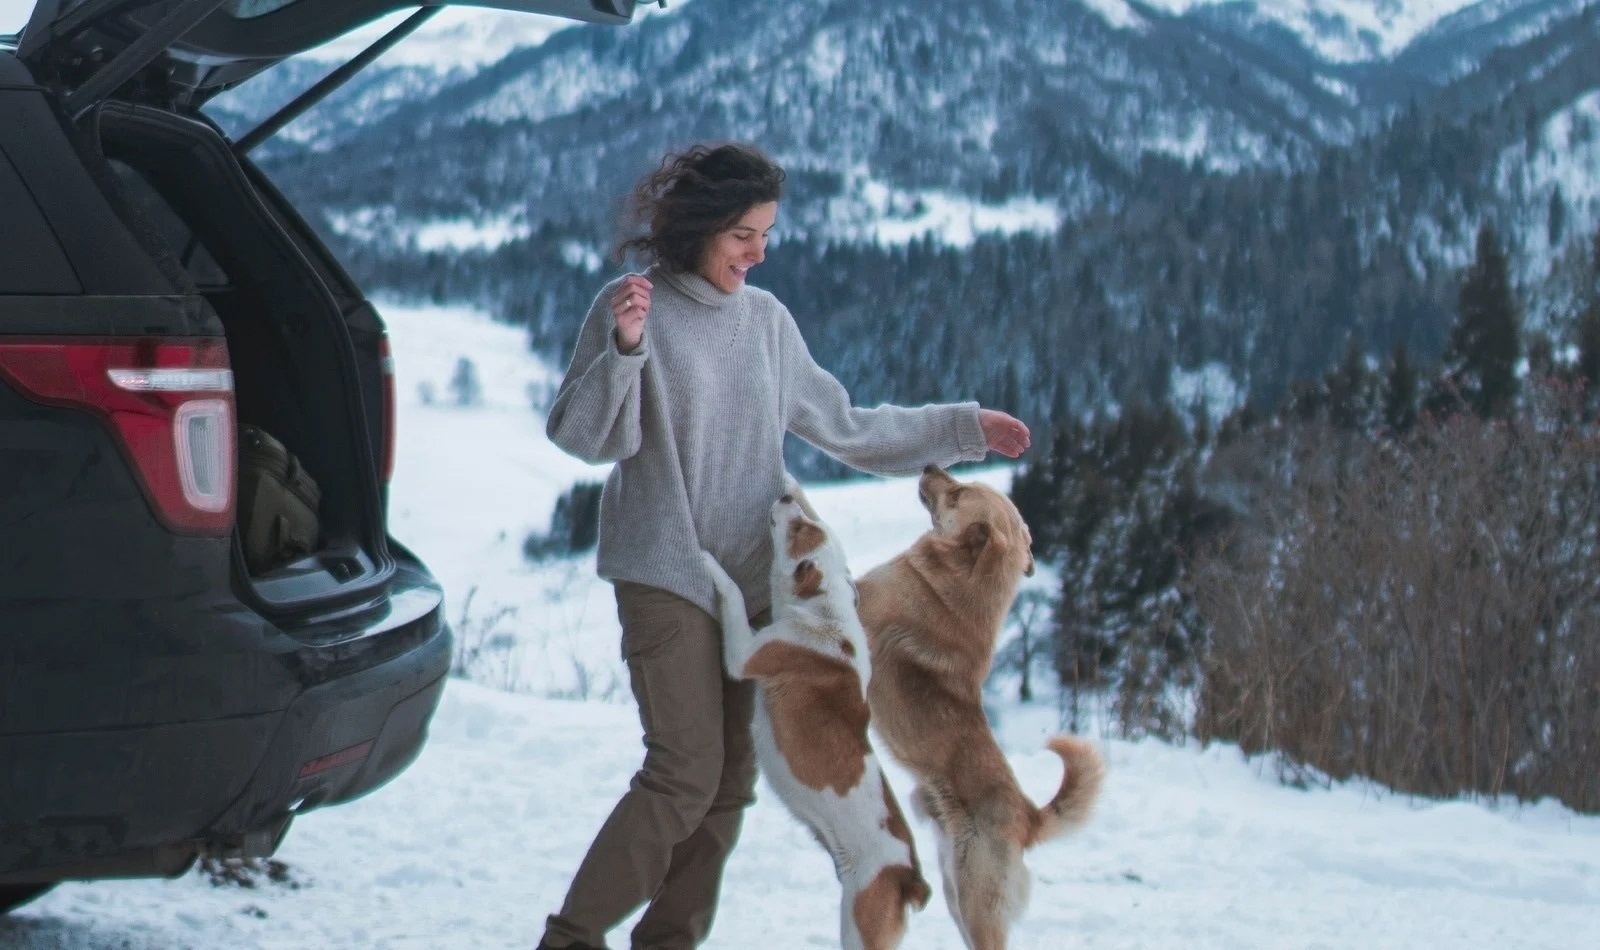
110,802
342,739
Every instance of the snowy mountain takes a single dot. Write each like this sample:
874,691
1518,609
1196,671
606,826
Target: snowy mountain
1338,31
1137,190
450,46
454,40
880,107
990,100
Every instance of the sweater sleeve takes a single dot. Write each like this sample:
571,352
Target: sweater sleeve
596,411
885,440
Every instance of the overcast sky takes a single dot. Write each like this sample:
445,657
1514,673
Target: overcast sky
14,13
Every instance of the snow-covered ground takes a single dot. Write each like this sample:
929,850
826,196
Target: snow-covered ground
475,843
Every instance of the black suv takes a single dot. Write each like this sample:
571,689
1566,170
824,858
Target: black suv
159,700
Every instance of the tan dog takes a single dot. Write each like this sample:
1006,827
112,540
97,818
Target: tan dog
932,616
810,666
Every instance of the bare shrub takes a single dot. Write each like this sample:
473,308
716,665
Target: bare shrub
489,653
574,525
1152,695
484,653
564,638
1031,645
464,384
1425,613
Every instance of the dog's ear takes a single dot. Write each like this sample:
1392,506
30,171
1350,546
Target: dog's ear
805,537
1028,571
975,537
807,579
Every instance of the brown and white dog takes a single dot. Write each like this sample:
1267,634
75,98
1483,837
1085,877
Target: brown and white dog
932,616
810,668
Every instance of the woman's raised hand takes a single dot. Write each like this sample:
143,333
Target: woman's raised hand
630,305
1002,433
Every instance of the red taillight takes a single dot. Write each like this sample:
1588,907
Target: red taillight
386,462
169,401
354,753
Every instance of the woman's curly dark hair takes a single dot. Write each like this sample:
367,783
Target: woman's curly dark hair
695,195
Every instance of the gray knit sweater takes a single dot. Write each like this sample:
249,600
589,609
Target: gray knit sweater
695,419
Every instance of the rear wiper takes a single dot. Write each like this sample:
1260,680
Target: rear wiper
298,106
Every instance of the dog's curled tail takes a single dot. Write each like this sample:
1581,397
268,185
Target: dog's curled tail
1070,808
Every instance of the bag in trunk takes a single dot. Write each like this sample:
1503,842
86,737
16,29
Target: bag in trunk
278,503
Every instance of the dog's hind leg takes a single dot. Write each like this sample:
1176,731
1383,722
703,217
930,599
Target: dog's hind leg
947,878
856,933
986,866
738,640
849,929
875,905
1018,884
925,804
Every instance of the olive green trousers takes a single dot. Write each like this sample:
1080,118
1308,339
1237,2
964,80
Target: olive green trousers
666,842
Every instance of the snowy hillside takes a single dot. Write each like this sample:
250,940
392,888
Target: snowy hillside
476,842
1561,195
1339,31
924,101
459,38
902,120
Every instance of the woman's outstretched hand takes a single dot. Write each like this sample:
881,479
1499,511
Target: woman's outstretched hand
630,305
1003,433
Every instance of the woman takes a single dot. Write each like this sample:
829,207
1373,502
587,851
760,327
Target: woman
688,379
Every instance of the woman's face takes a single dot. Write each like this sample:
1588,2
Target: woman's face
731,254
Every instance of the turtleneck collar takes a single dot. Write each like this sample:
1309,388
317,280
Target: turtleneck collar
693,286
